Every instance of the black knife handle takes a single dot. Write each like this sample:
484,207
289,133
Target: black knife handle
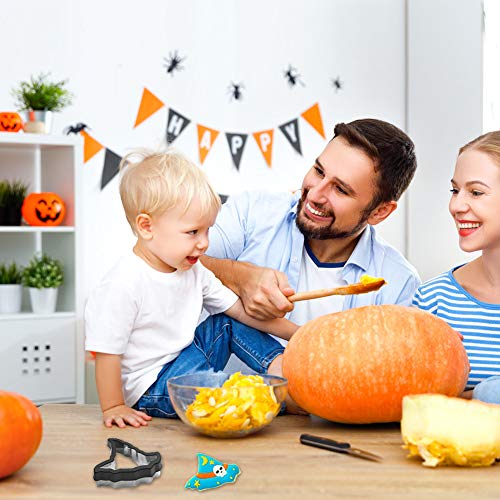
325,443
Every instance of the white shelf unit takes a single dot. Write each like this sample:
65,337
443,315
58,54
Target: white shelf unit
42,356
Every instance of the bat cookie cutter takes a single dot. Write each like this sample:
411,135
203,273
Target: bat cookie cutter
148,466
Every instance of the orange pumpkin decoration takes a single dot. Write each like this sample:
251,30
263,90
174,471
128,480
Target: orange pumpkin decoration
357,365
10,122
43,209
20,431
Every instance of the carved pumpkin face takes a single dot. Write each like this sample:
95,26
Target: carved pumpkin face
10,122
43,209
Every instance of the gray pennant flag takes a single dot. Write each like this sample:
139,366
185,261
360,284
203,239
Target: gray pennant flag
236,145
176,124
291,132
111,167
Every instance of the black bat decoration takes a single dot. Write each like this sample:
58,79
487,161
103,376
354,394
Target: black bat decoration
75,129
173,63
292,76
235,91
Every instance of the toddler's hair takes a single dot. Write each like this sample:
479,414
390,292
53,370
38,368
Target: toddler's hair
488,143
153,182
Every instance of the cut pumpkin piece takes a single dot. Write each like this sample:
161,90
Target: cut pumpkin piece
451,431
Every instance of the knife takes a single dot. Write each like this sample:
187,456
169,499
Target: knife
339,447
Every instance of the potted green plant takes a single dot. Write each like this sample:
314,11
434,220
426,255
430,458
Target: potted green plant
11,289
12,195
43,276
39,98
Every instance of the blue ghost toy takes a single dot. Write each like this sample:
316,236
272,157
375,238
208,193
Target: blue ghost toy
212,473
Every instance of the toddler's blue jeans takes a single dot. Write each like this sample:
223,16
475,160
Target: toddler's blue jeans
488,390
214,341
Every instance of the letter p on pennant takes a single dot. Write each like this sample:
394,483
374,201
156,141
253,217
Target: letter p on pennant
264,140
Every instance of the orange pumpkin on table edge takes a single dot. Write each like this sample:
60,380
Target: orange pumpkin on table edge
20,432
43,209
10,122
356,366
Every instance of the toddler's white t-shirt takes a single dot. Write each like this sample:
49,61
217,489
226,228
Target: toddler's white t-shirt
148,317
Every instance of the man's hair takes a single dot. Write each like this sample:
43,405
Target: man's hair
488,143
153,182
390,148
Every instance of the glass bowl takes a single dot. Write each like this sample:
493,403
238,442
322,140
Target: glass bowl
224,406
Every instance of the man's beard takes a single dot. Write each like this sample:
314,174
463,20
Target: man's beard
326,232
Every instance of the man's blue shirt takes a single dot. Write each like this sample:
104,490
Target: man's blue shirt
259,227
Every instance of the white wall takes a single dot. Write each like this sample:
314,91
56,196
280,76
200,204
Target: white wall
444,112
111,50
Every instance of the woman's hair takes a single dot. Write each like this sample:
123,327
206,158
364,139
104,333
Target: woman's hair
488,143
153,182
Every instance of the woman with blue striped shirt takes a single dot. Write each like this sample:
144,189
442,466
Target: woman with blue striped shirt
468,296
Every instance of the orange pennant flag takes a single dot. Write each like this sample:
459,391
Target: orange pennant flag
265,142
90,146
313,117
149,105
206,139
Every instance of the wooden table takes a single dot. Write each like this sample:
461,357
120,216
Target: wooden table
274,464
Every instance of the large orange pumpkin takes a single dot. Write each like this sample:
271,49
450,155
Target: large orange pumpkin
20,431
357,365
43,209
10,122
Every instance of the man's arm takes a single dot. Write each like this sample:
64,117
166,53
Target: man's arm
263,291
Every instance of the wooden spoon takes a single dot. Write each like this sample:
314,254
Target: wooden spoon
355,289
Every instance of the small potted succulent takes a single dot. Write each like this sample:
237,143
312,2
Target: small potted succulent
43,276
11,289
39,98
12,195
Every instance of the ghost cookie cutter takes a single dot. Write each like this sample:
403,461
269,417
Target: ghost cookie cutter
148,466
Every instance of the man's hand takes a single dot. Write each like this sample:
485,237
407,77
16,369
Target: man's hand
122,415
264,294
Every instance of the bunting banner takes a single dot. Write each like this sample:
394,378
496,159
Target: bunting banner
313,117
149,104
176,124
90,146
291,132
236,146
264,140
206,139
111,167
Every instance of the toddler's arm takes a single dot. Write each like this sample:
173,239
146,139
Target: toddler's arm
280,327
109,388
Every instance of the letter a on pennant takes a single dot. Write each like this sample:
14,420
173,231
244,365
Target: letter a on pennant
206,139
313,117
149,105
264,140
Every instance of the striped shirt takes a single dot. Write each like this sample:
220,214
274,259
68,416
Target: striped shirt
478,322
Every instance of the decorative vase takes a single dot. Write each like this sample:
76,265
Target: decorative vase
11,297
12,216
38,122
43,300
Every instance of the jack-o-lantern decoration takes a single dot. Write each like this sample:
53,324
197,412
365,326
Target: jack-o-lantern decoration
43,209
10,122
